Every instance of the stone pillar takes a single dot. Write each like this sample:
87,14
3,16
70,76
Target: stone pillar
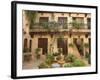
69,47
34,44
69,21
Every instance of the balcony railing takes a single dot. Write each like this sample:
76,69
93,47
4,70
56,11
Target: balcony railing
59,26
49,25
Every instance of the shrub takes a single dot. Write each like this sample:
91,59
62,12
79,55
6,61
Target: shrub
25,50
49,59
60,50
49,56
27,57
37,50
70,45
68,65
58,57
78,63
70,58
43,65
87,55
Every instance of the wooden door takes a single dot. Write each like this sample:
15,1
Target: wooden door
43,43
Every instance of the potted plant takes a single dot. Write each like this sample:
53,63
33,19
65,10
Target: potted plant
37,52
71,45
88,57
78,63
43,65
60,50
70,58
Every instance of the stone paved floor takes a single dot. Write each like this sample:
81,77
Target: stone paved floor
33,64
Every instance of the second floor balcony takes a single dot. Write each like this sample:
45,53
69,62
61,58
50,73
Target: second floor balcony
56,27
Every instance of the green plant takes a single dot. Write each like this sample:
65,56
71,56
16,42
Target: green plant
49,59
70,58
27,57
51,25
87,54
65,25
78,63
58,57
25,50
68,65
86,45
77,25
37,50
60,50
71,45
88,57
43,65
31,16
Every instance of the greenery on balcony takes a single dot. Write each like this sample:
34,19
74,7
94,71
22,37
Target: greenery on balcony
77,25
51,25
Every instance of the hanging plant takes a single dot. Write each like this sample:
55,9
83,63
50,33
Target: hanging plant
31,16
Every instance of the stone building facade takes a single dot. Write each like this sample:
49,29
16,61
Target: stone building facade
52,31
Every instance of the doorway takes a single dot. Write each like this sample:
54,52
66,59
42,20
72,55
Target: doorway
62,43
43,43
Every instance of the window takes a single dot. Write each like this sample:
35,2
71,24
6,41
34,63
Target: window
63,21
43,19
43,22
78,22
